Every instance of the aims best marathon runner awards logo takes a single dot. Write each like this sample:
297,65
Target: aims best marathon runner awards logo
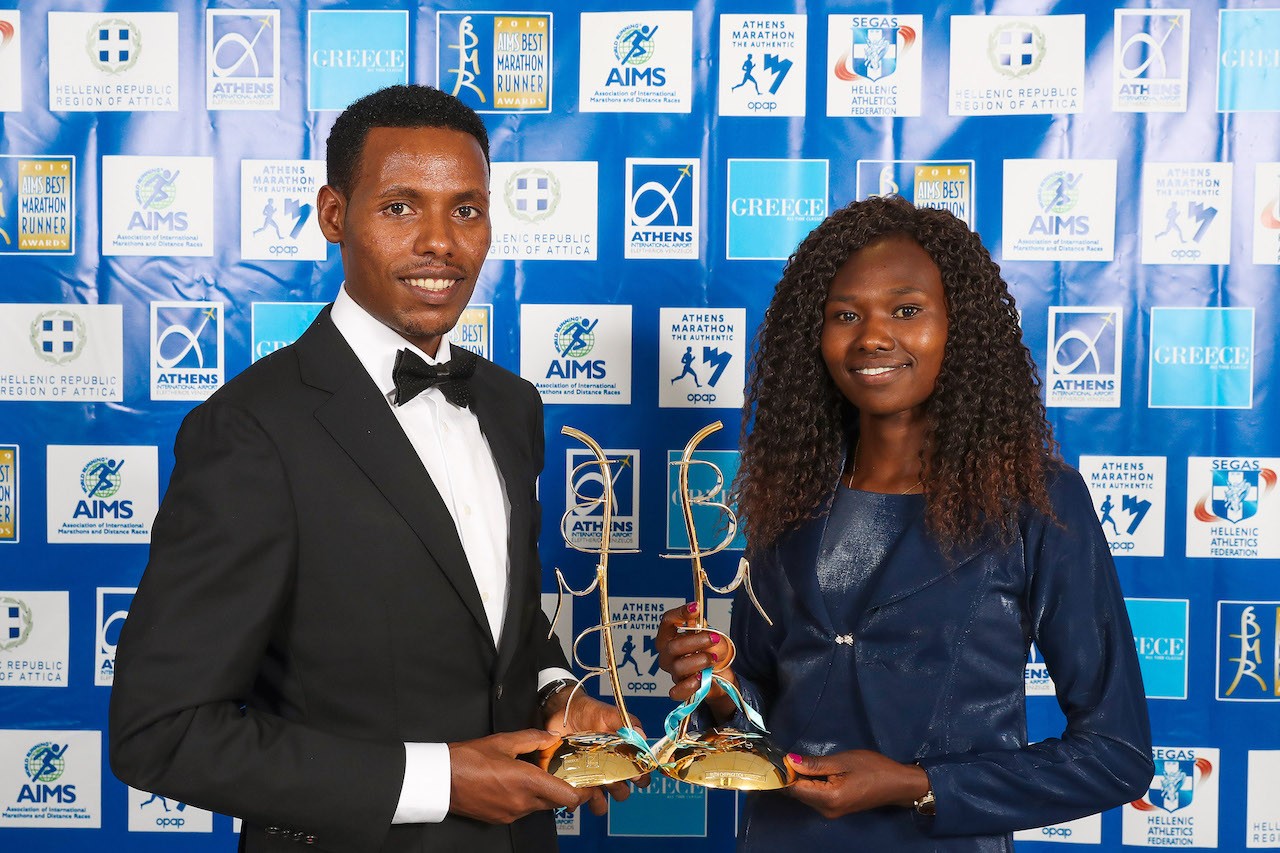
37,205
496,62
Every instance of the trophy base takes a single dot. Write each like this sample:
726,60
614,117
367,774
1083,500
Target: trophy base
587,759
725,758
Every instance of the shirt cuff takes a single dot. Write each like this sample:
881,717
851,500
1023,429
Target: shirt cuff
550,674
424,796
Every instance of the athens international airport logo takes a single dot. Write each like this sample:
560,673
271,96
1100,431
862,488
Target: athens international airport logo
1150,60
114,45
187,353
242,59
583,523
58,336
15,623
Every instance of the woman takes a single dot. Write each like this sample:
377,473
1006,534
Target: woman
912,530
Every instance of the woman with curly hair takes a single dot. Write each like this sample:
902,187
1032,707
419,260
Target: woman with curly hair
912,530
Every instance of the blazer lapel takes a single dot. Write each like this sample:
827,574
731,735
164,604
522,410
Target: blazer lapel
361,422
917,563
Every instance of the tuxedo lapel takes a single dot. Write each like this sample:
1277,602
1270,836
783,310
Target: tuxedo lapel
360,421
505,434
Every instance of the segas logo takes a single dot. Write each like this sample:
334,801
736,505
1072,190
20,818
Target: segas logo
45,763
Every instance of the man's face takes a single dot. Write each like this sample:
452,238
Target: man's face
415,229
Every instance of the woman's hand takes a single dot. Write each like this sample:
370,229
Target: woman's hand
853,781
684,655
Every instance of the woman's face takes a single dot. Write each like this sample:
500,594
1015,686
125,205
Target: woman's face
884,327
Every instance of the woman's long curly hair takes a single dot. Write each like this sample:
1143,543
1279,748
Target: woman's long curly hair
988,446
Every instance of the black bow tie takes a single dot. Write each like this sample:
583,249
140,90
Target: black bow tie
412,376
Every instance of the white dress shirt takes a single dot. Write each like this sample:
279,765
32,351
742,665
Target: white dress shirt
460,462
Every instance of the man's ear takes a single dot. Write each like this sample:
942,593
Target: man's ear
332,208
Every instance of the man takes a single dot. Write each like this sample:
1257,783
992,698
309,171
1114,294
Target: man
337,636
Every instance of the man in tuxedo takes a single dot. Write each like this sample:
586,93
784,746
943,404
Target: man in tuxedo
338,636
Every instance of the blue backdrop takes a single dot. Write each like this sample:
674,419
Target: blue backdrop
652,171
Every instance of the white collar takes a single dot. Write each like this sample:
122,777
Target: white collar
374,343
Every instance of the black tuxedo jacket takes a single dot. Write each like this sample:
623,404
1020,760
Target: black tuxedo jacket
307,608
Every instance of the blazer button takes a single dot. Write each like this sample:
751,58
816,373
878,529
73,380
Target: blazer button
272,830
497,694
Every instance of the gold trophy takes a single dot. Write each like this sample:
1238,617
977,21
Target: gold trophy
585,759
720,757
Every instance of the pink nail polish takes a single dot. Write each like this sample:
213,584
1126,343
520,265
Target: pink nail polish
715,638
715,657
693,607
796,759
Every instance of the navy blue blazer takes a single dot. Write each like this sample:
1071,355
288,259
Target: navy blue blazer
939,655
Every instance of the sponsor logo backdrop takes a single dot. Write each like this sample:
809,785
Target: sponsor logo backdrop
653,168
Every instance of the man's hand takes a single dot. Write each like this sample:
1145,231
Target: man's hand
489,783
853,781
586,714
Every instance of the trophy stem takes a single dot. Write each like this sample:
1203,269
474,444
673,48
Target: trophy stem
686,507
602,567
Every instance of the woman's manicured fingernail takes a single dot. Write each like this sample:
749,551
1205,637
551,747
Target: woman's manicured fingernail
693,607
715,638
795,759
715,657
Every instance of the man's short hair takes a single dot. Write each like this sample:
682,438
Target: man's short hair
394,106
